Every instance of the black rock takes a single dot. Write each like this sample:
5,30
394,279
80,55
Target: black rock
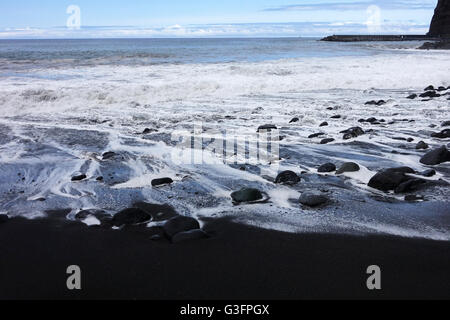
422,146
375,103
180,224
428,173
288,178
246,195
312,199
398,138
445,124
327,167
353,133
413,96
294,120
109,155
430,94
371,120
79,178
316,135
324,124
326,141
130,216
267,127
148,131
189,236
388,180
441,88
99,179
161,182
409,185
336,117
429,88
348,167
442,135
3,218
436,156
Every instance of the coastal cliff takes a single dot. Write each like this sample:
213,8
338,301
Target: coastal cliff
440,25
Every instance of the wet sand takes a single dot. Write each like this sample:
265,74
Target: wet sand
237,262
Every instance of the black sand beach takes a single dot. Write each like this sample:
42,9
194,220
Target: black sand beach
237,262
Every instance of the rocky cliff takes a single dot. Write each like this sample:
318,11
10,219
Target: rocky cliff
440,25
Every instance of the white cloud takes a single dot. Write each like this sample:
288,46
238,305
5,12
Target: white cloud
215,30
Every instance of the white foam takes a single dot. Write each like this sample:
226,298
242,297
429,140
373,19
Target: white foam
91,221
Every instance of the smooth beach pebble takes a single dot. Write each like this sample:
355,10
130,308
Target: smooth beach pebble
436,156
108,155
79,178
180,224
161,182
326,141
422,145
267,127
353,133
313,199
246,195
287,178
348,167
316,135
327,167
130,216
390,179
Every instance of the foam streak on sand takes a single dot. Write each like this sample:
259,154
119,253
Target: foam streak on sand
57,122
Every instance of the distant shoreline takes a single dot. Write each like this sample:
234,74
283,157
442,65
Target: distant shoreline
365,38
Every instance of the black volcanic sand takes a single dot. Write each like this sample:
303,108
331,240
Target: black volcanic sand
237,262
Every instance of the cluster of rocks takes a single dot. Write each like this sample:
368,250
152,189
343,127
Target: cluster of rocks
400,180
288,178
373,121
172,226
430,92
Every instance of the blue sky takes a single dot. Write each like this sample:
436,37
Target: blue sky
196,18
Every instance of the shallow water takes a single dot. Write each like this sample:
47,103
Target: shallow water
65,103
